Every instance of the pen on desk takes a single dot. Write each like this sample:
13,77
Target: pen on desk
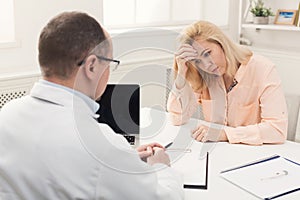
168,145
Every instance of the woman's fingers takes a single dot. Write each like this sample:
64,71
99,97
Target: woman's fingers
200,134
186,46
184,52
205,137
186,49
197,134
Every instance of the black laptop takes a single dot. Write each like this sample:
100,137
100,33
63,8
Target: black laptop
120,109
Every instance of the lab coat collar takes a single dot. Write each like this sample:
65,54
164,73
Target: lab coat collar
60,96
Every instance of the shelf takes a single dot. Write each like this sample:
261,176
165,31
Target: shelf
271,27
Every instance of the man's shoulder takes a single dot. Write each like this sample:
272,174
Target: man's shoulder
14,104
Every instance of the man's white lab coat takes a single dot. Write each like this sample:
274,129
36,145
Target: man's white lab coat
51,147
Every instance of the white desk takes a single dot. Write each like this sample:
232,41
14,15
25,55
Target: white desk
155,126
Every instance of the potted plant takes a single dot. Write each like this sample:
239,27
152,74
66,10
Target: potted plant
260,12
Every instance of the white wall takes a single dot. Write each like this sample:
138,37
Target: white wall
281,46
30,17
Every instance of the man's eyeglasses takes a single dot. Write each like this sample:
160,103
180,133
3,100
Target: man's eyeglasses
113,64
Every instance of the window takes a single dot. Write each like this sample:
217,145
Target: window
138,13
7,21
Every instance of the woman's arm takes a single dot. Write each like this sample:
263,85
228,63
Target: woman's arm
181,104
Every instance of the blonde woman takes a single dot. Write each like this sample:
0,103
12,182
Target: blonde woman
234,87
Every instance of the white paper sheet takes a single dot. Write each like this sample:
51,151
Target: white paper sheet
191,166
185,157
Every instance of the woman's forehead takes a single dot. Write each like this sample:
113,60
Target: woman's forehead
198,46
201,45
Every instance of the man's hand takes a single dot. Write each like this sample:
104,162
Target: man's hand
159,156
146,150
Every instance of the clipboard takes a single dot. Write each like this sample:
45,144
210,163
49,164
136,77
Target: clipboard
191,160
267,178
202,187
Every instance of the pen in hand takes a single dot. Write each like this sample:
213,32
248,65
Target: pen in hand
168,145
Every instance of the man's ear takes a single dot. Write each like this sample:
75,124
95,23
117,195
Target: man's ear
89,66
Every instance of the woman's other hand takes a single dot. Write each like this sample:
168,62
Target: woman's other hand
204,133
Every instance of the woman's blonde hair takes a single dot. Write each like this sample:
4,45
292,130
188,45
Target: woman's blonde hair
203,30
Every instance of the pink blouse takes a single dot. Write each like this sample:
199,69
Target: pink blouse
253,112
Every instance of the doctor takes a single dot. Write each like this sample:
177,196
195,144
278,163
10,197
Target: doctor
51,146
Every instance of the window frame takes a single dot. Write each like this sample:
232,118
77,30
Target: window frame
167,24
12,42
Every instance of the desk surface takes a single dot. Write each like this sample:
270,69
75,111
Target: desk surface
155,126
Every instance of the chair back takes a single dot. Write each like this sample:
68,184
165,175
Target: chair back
293,107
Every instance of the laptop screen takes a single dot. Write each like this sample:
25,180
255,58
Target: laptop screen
120,108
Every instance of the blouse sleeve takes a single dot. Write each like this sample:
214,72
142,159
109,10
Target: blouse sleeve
273,125
181,104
